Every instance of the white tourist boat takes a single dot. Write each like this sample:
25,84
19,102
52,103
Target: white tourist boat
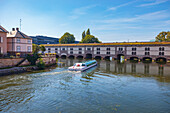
83,66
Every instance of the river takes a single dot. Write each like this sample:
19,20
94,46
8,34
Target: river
109,87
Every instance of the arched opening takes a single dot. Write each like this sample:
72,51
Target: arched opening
161,60
134,59
71,57
147,59
98,57
120,56
88,56
79,57
107,58
57,56
63,56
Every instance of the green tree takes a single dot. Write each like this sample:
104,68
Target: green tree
67,38
35,48
168,36
163,37
90,39
42,48
83,34
32,58
88,32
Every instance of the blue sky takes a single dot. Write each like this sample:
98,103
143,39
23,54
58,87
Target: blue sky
109,20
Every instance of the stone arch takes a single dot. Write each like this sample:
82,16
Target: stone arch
98,57
88,56
79,57
63,56
147,59
134,58
71,57
57,56
119,56
107,57
161,60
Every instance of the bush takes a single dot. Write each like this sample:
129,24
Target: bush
32,58
41,64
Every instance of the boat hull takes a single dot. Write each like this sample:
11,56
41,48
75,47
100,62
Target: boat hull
82,69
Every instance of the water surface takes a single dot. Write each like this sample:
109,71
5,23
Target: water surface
109,87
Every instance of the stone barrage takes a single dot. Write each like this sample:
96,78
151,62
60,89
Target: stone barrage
133,50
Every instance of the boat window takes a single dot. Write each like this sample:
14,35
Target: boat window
83,65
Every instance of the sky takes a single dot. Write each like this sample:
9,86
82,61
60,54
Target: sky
108,20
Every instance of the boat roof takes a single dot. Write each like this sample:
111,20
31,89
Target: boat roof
86,62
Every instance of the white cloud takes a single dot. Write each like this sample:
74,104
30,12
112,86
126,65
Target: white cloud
155,2
145,17
76,13
122,5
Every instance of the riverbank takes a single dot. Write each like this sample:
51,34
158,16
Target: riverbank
16,70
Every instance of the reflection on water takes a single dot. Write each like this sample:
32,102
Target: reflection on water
138,69
109,87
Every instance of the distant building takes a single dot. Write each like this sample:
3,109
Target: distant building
18,42
3,40
45,40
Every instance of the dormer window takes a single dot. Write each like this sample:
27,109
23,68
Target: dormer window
18,40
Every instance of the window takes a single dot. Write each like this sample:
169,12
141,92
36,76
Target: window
71,52
63,49
0,50
29,41
147,49
18,48
80,52
108,49
80,48
120,49
134,49
18,40
71,48
29,48
49,49
98,48
161,49
108,52
1,39
161,53
88,49
56,48
147,53
98,52
56,51
133,53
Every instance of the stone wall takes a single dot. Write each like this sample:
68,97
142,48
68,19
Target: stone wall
11,62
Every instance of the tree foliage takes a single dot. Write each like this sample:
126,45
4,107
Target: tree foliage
163,37
36,48
32,58
88,32
67,38
42,48
90,39
83,35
